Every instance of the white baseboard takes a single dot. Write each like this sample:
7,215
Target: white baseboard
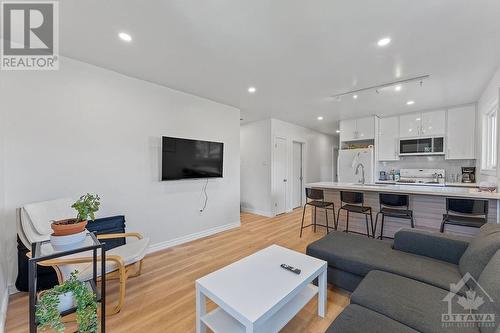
188,238
3,310
12,289
256,211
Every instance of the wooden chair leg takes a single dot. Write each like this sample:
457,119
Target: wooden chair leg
315,215
121,297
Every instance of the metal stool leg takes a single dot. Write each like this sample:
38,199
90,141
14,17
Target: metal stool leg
442,224
382,227
302,224
371,223
376,223
367,228
315,215
338,216
347,223
335,219
327,225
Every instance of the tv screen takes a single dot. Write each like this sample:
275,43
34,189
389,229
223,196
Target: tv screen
184,159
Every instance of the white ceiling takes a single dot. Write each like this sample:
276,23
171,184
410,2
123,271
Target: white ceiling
296,53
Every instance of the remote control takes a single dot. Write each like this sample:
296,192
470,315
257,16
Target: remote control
290,268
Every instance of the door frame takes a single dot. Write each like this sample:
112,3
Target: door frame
303,168
275,177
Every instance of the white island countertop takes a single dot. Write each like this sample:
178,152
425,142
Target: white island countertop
444,191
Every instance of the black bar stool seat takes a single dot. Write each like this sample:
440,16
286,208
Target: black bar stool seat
354,203
401,213
393,205
320,204
465,221
317,200
356,209
465,212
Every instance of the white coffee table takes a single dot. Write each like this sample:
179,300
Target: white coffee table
255,294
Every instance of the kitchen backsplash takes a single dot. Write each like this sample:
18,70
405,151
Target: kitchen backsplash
451,167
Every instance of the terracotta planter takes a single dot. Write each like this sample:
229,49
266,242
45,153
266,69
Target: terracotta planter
66,227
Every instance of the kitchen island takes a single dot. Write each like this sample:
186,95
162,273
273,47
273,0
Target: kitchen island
427,202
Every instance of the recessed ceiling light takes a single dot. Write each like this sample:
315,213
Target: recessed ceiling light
397,88
125,36
355,96
252,90
320,118
410,102
384,41
337,131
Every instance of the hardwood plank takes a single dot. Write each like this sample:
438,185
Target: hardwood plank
162,299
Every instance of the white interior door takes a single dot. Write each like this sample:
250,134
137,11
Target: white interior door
280,175
297,175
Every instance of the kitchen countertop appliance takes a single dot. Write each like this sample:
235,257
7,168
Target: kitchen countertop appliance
468,174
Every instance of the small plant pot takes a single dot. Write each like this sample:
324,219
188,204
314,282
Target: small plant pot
66,300
68,242
67,227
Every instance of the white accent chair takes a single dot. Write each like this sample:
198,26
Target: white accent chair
121,262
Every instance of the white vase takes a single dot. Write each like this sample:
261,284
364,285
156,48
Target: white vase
66,301
69,242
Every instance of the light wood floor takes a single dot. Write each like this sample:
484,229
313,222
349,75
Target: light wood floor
162,299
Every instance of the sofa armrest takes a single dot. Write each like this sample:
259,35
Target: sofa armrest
435,245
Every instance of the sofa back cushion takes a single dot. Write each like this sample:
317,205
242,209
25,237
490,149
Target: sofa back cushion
480,250
489,282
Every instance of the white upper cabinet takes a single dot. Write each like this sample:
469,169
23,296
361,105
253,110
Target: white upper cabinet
365,128
423,124
388,139
357,129
433,123
347,130
409,125
460,138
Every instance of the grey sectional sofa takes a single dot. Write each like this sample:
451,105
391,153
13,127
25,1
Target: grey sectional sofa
404,285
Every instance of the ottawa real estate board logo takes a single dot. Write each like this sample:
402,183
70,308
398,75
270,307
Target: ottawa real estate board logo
30,35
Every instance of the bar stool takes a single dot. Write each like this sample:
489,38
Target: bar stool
473,213
354,203
317,198
389,204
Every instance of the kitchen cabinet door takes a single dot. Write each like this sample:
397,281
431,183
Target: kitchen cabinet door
347,130
460,136
433,123
365,128
388,142
409,125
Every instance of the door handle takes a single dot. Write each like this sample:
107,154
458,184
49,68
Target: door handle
284,180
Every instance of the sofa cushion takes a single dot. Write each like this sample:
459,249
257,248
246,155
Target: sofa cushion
412,303
357,319
490,283
480,250
358,255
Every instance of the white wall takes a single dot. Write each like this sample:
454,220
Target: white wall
255,145
4,275
490,94
86,129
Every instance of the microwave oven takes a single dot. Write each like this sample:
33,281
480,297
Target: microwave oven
422,146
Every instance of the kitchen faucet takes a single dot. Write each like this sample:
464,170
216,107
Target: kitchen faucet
362,180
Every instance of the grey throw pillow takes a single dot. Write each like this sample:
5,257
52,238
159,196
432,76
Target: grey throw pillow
480,250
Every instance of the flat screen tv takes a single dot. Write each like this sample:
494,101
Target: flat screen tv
187,159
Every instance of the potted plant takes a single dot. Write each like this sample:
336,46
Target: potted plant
69,232
48,309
